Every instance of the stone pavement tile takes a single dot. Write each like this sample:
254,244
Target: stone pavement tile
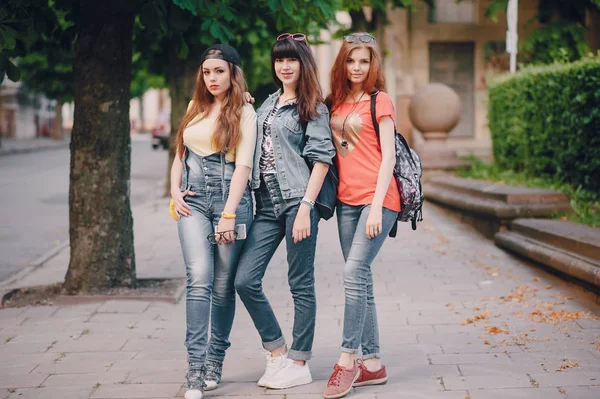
583,392
566,378
77,310
124,318
408,349
123,306
12,348
162,354
130,391
516,393
149,365
589,323
409,372
450,338
157,375
39,312
551,358
487,382
150,344
242,389
9,371
73,367
407,360
86,379
66,392
406,387
16,360
468,358
22,381
477,346
513,368
97,357
91,344
426,395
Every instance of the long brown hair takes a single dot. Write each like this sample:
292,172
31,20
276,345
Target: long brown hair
340,85
227,134
308,92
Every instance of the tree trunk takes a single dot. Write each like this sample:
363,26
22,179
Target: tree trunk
359,21
101,224
182,81
57,132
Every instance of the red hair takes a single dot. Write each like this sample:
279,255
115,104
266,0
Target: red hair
340,85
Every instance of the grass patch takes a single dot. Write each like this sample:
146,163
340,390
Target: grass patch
586,204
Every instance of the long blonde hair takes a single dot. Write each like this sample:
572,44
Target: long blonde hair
227,134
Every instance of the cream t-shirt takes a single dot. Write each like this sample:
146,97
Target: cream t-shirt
198,138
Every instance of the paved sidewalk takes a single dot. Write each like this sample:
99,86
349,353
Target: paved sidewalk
13,146
459,318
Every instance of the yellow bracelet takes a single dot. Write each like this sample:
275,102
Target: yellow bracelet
225,215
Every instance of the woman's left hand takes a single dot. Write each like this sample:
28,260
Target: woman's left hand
374,224
227,225
301,228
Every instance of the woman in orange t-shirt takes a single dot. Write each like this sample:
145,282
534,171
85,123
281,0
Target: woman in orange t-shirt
368,202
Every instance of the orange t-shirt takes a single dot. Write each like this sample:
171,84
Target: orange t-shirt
358,163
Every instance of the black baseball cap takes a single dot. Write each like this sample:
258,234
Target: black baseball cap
228,54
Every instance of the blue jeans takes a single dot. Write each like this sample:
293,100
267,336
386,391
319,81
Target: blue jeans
273,222
210,268
360,313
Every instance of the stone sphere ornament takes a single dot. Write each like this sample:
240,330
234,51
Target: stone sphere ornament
435,110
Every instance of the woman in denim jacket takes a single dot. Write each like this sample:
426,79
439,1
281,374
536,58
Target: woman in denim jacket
209,186
293,154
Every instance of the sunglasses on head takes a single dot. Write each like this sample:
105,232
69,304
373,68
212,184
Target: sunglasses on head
366,38
299,37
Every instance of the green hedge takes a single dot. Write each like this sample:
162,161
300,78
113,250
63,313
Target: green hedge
545,121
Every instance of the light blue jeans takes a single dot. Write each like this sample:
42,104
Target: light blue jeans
210,268
274,221
360,313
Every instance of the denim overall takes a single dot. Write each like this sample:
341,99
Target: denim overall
210,268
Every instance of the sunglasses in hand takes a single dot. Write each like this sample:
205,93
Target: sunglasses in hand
215,238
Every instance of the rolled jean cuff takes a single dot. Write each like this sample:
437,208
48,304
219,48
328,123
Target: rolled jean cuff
371,356
214,359
348,350
279,342
299,355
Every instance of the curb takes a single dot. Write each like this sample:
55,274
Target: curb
62,300
32,266
16,151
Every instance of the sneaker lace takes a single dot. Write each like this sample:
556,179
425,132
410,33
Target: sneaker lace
213,370
273,361
195,378
336,376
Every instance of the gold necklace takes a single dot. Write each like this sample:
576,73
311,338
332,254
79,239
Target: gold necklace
344,143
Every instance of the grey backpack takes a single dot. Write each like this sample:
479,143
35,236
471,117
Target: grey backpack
407,172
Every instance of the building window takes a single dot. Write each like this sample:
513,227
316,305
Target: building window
452,12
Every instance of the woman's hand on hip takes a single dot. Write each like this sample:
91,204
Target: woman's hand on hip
181,207
374,222
227,226
301,228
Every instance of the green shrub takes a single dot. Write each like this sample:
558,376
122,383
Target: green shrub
545,121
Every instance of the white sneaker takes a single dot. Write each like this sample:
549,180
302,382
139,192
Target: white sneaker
193,394
274,364
290,376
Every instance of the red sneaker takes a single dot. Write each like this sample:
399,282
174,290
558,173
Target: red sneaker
340,382
370,377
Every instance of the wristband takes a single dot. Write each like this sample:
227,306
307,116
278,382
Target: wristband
311,204
226,215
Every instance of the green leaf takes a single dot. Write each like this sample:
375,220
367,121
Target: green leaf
12,71
184,49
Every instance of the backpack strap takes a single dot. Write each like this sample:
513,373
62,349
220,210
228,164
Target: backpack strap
374,113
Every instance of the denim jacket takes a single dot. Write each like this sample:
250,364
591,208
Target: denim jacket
294,144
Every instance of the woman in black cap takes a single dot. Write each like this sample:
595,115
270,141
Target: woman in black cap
209,187
293,154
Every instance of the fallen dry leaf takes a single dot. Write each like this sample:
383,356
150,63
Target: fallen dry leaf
537,279
493,330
